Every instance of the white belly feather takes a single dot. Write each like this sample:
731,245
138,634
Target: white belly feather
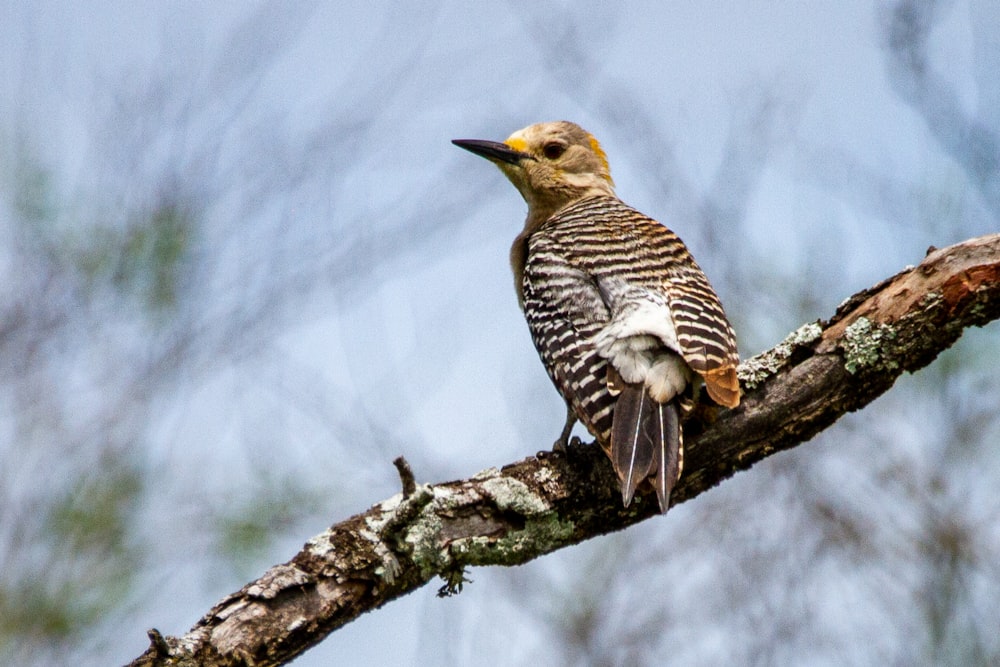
633,343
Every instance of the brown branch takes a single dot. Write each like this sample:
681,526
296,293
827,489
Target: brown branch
546,502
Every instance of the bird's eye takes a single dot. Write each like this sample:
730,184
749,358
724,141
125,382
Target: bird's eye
553,151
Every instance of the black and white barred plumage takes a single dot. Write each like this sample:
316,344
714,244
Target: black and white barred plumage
597,261
625,321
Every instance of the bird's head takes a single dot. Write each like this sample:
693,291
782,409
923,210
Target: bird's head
551,164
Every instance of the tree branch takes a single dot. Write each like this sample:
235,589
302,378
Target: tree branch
550,501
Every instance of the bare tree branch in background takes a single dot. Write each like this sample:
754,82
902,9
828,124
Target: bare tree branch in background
177,254
968,140
544,503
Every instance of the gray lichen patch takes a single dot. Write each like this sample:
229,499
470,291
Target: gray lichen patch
440,533
514,495
390,504
548,481
864,345
539,535
277,579
424,541
544,474
390,567
393,511
445,535
756,370
321,544
805,334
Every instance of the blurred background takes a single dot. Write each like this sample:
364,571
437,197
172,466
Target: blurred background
242,268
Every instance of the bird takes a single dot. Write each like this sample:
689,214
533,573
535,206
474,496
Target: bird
626,323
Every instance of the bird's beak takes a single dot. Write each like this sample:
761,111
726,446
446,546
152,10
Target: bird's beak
491,150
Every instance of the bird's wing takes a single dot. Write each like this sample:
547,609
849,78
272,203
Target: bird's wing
564,309
706,338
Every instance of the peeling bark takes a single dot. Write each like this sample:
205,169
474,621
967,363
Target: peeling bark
553,500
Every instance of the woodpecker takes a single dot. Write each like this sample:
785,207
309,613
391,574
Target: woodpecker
624,320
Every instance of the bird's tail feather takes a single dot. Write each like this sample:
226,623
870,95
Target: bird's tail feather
668,457
646,443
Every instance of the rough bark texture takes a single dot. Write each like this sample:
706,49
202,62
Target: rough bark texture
549,501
